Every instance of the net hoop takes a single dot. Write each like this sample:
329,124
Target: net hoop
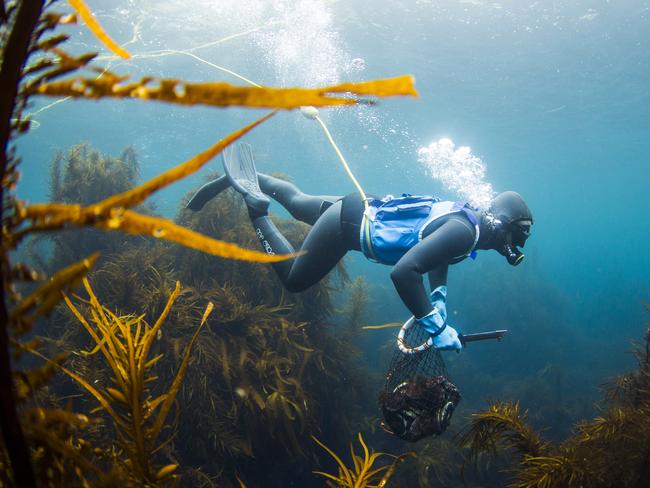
401,343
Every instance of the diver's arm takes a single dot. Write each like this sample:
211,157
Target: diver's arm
452,239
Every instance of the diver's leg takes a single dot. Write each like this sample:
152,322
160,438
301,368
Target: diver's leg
306,208
303,207
322,249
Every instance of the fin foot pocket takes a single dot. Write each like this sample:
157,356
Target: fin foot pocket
239,166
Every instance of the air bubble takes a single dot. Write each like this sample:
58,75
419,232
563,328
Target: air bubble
78,86
358,64
458,170
179,90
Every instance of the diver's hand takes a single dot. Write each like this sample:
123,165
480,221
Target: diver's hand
448,340
444,336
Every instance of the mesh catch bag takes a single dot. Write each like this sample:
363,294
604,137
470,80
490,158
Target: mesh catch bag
418,399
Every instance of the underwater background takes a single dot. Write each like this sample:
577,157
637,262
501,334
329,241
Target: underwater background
553,98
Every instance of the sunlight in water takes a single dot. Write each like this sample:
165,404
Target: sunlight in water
305,49
458,170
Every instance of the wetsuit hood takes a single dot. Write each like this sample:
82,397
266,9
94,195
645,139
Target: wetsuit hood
506,225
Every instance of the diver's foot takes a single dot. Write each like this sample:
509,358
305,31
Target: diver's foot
207,192
240,169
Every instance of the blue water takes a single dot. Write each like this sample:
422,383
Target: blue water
553,97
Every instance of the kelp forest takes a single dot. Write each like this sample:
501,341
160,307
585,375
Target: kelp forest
141,350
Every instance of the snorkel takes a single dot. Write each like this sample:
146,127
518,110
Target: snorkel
511,253
501,239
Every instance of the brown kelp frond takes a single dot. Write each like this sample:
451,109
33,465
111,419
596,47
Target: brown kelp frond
135,196
84,12
58,216
363,474
63,457
137,224
613,449
552,472
502,425
633,388
221,94
112,213
42,300
138,414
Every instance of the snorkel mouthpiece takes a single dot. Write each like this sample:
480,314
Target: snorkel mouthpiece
512,254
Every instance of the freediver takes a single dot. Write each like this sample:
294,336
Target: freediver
416,235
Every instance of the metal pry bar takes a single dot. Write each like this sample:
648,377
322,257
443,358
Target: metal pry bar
481,336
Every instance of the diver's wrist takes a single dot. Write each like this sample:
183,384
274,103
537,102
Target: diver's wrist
432,322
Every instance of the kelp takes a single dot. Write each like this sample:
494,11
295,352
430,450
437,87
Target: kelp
84,12
262,374
138,416
112,213
363,473
83,175
32,62
613,449
437,463
222,94
42,300
504,426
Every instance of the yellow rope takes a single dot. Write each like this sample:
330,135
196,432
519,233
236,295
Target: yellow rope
343,161
385,326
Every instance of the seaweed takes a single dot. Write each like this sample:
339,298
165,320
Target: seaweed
610,450
261,376
221,94
363,473
138,417
84,12
33,62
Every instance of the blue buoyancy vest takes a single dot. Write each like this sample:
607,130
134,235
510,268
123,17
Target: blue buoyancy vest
391,226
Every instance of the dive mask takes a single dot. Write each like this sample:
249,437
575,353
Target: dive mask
512,236
520,231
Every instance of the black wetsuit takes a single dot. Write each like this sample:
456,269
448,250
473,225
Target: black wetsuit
336,225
